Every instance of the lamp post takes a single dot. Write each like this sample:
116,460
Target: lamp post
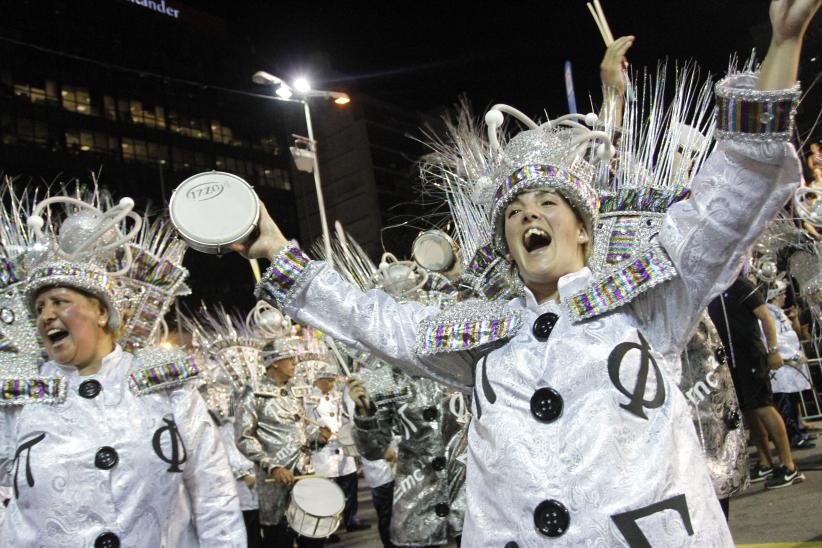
284,92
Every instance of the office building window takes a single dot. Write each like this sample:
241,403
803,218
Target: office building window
77,99
189,126
149,116
187,160
272,177
36,94
87,141
33,131
271,145
109,107
137,150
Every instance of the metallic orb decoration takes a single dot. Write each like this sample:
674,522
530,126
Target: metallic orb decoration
768,269
7,316
81,226
816,211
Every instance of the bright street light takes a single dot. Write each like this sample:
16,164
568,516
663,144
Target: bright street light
284,91
302,85
302,156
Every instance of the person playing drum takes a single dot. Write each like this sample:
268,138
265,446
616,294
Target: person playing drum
272,431
579,433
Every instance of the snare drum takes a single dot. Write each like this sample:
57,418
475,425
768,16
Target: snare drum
213,210
315,508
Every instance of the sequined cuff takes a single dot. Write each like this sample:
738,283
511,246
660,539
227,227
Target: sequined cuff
37,390
747,114
282,278
163,376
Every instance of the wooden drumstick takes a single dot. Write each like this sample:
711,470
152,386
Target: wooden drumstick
296,478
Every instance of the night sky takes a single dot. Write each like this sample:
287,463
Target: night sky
423,55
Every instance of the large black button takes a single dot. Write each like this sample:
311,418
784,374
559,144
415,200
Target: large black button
438,463
90,388
442,509
546,404
430,414
551,518
107,540
511,544
106,458
544,325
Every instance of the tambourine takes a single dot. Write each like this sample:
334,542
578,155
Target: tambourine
213,210
434,250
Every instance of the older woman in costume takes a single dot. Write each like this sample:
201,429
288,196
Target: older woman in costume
119,451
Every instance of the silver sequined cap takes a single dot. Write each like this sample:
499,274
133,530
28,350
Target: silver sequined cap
85,277
543,159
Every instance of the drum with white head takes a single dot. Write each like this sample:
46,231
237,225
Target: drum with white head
315,508
213,210
434,250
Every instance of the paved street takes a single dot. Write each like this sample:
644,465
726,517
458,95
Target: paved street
782,518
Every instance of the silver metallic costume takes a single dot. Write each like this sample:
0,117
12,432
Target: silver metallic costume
112,462
272,432
429,487
708,387
579,430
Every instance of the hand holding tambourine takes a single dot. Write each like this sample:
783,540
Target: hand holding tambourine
215,212
268,243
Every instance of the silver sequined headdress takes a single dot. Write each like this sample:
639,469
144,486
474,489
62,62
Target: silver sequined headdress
79,246
560,156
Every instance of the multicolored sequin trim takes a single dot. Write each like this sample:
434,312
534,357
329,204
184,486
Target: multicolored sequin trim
282,276
623,238
153,304
622,286
36,390
7,273
445,335
164,376
539,171
747,114
656,200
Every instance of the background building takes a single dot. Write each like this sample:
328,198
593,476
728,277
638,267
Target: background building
142,95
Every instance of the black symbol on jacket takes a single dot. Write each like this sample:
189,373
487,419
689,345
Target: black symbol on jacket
628,526
487,389
178,450
25,446
637,397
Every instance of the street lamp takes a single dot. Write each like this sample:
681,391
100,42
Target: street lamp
302,87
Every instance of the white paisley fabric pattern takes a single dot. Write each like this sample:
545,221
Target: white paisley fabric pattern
109,464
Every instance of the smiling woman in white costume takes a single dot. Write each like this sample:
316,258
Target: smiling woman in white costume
101,447
580,436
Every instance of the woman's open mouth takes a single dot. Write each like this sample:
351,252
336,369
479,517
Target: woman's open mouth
55,335
535,239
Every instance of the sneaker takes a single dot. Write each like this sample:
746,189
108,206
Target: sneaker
783,478
804,443
761,473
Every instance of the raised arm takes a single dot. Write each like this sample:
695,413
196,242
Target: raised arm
748,178
612,75
312,293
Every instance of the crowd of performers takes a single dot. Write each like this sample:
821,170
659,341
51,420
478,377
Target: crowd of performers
563,361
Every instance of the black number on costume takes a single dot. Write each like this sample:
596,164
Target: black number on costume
637,397
177,456
627,521
25,446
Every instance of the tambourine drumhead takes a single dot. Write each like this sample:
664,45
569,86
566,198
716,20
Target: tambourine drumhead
213,210
434,250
